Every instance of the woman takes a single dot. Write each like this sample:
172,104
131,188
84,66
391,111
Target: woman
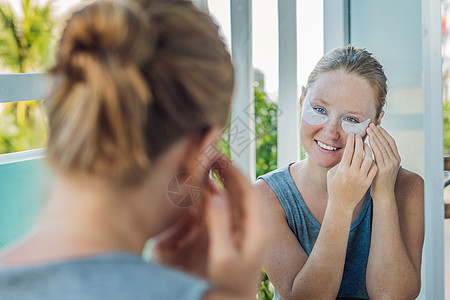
344,225
140,90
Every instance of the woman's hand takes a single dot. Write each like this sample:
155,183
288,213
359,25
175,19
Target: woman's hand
225,243
348,181
184,245
387,160
237,232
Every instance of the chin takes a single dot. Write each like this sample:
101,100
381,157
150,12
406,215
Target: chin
324,162
327,165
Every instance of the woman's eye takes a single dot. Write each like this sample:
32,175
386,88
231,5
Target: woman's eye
320,110
350,119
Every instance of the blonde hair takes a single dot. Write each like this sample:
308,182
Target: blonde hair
134,77
355,61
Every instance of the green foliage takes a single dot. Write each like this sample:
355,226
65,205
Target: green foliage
22,127
26,45
26,42
266,132
266,288
446,116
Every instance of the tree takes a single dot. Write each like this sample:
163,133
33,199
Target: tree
26,45
26,42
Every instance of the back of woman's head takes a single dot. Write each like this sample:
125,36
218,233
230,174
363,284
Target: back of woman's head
354,61
134,77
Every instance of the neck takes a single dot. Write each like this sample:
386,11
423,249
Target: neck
313,175
86,215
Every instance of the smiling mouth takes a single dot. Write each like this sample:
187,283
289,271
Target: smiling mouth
326,147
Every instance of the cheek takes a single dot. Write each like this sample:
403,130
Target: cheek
308,129
307,132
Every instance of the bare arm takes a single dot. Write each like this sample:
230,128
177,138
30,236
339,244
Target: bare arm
397,240
393,269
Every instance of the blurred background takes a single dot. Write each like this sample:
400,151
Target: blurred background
29,30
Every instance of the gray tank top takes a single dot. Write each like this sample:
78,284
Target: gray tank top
116,275
306,228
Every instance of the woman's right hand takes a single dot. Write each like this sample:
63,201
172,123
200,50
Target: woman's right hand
237,233
348,181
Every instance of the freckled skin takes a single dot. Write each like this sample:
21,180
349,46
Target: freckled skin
342,92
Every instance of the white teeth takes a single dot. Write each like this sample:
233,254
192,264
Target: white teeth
322,145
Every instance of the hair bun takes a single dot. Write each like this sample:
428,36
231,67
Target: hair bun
100,59
106,28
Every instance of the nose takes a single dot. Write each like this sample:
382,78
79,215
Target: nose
331,129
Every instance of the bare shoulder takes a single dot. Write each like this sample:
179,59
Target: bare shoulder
263,190
268,197
408,178
408,182
409,191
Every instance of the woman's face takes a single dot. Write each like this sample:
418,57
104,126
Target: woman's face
341,97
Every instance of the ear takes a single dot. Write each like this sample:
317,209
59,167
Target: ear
302,95
378,121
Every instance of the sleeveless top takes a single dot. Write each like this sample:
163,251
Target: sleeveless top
306,228
112,276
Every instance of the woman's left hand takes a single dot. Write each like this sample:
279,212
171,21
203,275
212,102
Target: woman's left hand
184,245
387,160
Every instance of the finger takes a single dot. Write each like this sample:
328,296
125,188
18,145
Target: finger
367,162
238,187
220,165
383,143
170,237
250,225
358,152
196,236
376,147
219,225
372,173
348,151
390,141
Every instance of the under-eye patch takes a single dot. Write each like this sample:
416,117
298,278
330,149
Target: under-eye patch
356,128
311,116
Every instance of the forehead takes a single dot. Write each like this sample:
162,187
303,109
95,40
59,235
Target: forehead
344,90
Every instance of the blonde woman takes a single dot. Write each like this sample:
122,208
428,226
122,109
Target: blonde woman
141,89
345,226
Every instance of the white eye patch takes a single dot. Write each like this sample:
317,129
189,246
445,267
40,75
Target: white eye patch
356,128
313,117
